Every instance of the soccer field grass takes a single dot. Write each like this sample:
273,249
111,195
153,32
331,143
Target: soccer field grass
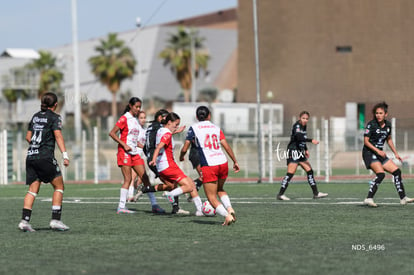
335,235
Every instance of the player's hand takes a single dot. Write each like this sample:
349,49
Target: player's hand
66,162
397,156
179,130
152,163
381,153
127,148
236,167
314,141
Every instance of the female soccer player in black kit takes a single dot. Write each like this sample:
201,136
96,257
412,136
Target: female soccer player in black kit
298,154
377,132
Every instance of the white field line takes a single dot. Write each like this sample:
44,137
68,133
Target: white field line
235,200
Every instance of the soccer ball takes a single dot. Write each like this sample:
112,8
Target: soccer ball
208,209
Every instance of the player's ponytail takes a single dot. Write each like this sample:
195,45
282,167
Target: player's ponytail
170,117
131,102
202,113
48,101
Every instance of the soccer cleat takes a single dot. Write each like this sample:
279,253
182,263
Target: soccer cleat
320,195
229,220
169,198
232,212
282,198
370,202
124,211
25,226
58,225
179,211
156,209
406,200
199,214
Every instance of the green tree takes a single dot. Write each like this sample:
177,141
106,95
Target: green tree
113,64
50,75
177,55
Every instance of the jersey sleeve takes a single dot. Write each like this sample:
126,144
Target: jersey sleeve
222,136
190,134
367,132
57,124
166,138
121,122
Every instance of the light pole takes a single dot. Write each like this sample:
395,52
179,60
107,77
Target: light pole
76,88
269,96
193,65
259,109
138,24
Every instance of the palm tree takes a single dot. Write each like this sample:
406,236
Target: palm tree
50,75
114,64
177,55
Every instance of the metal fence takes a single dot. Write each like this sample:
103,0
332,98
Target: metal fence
336,155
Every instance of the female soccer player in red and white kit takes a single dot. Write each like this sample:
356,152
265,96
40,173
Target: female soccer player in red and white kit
167,168
128,154
209,139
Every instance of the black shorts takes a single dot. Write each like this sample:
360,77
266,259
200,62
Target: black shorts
369,157
194,158
295,156
44,170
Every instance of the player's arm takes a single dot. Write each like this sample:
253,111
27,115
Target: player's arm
29,136
392,147
156,152
61,144
230,152
184,150
114,136
373,148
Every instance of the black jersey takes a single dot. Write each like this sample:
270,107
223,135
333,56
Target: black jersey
298,137
42,143
150,138
377,135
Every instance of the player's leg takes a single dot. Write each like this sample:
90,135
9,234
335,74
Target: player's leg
291,169
377,168
392,168
142,174
57,199
29,199
127,174
311,180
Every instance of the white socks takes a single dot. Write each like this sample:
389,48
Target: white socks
123,198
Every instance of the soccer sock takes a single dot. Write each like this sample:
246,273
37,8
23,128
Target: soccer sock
398,183
285,183
312,182
122,198
373,186
197,203
152,198
198,183
226,201
131,191
26,214
176,203
221,210
176,192
56,212
150,188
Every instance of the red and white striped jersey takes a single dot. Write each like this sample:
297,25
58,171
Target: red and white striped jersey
129,132
165,157
207,137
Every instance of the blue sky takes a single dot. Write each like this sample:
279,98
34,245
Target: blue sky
42,24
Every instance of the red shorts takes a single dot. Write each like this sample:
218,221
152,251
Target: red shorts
172,174
125,159
214,173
